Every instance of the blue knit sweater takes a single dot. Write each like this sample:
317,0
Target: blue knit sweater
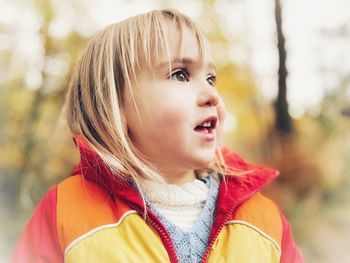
191,245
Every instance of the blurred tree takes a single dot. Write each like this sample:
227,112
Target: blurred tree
283,121
36,148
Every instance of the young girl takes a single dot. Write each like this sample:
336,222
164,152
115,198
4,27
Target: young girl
152,184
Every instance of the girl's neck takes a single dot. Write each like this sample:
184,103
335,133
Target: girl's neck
178,178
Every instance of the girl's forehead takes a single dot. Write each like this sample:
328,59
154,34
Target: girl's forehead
183,46
163,39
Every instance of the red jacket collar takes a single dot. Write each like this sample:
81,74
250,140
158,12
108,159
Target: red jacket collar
238,188
231,193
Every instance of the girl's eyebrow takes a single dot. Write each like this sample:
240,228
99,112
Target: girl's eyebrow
185,61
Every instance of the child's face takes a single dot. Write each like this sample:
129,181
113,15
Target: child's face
171,105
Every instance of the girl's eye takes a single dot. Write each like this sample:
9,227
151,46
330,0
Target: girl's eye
212,80
180,75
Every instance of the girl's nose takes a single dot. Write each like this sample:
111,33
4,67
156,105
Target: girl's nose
208,97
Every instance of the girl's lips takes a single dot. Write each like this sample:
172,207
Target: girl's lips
212,120
206,134
206,128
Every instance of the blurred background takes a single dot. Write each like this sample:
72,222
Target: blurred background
283,71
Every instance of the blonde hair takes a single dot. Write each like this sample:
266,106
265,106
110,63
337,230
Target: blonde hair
109,65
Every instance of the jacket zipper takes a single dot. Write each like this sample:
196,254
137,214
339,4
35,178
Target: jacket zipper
228,215
170,248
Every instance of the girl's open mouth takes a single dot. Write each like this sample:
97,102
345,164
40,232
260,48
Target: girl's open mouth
207,127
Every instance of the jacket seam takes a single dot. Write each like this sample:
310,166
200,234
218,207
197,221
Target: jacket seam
55,222
92,231
241,222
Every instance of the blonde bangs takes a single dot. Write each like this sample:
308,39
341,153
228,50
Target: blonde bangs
147,38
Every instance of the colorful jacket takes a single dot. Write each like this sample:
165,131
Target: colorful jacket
93,216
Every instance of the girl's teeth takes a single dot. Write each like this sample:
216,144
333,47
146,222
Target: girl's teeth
206,124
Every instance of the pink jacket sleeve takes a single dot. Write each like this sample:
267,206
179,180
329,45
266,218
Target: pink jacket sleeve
290,252
39,241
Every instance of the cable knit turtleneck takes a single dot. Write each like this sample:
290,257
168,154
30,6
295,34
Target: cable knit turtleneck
181,205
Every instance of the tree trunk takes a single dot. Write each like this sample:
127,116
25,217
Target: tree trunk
283,121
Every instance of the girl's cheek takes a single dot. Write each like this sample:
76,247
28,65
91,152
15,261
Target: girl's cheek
171,120
221,111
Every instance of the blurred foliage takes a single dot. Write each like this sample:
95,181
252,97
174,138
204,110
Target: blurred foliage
37,150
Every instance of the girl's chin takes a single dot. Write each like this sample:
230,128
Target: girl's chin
206,162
